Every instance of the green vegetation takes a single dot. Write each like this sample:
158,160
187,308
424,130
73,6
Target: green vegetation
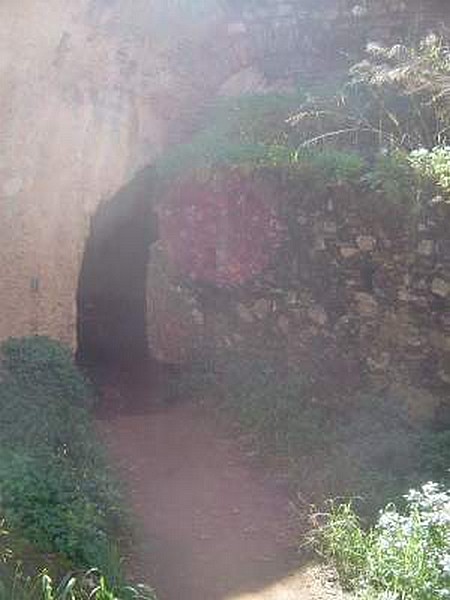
56,490
394,177
376,454
87,586
54,484
401,93
404,556
383,130
395,98
241,133
433,165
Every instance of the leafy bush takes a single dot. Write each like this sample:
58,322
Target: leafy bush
329,165
55,486
406,179
394,176
41,362
404,556
48,503
433,165
240,132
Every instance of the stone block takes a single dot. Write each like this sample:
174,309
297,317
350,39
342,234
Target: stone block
440,287
318,315
366,243
367,305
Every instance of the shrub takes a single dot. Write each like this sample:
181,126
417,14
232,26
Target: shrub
48,503
254,132
43,363
55,487
433,166
404,556
393,176
329,165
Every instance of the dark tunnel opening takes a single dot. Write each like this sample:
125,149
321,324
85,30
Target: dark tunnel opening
111,300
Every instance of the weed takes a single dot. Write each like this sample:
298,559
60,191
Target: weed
343,540
86,586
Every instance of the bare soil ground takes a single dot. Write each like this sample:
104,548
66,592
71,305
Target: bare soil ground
213,525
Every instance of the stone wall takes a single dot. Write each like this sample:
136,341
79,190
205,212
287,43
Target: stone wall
359,288
304,40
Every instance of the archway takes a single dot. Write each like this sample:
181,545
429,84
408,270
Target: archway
112,283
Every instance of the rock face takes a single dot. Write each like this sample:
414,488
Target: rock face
93,90
77,121
90,92
379,311
221,236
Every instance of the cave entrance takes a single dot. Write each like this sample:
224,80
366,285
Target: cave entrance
111,300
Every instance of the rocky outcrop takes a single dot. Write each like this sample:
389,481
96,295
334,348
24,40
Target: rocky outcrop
91,91
358,288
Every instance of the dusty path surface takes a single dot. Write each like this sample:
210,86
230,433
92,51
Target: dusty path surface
217,527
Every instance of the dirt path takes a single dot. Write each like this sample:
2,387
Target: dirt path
219,528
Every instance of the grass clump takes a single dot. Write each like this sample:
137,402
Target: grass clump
252,133
404,556
26,580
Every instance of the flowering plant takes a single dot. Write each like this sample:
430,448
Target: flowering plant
404,556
